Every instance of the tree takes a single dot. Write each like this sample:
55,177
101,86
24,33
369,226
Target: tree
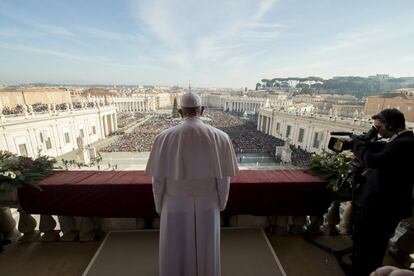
175,109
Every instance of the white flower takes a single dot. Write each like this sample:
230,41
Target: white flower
10,174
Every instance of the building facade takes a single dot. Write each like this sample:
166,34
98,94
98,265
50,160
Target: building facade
310,132
253,104
135,104
401,101
55,133
243,104
10,99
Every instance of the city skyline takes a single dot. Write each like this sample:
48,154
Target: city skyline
230,44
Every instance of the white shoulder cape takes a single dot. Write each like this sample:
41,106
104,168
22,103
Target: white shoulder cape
192,150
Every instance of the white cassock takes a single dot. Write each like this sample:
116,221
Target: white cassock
191,165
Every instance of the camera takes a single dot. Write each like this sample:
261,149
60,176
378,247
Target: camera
339,144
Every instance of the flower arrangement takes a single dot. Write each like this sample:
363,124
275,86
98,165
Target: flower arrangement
17,171
331,166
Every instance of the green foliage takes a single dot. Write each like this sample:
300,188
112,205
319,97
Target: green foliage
331,167
357,86
17,171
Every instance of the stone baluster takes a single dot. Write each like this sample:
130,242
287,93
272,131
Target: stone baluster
345,226
47,227
297,224
280,225
332,218
315,224
49,108
25,112
27,225
8,225
30,109
68,228
89,229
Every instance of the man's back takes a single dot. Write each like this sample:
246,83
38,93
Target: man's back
192,150
391,181
191,165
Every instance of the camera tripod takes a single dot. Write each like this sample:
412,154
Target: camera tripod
352,181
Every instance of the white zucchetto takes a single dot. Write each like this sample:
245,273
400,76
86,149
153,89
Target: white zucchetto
190,99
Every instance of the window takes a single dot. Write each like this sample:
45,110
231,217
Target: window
288,130
278,127
301,134
94,130
41,137
67,139
317,139
6,100
23,149
19,99
82,134
48,143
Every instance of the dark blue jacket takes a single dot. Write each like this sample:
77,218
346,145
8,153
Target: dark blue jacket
389,183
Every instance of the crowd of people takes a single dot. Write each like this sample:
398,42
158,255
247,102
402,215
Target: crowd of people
124,119
12,111
142,137
243,133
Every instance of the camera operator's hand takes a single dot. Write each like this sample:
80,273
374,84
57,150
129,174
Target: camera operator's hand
372,134
358,146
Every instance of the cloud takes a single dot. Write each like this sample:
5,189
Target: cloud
99,60
202,33
28,21
264,7
108,35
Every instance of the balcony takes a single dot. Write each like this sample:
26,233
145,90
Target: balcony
89,203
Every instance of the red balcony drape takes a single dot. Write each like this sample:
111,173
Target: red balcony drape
129,194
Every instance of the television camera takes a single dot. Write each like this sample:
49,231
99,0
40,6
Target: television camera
340,144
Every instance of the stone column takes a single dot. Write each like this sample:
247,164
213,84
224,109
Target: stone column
115,123
268,126
105,124
2,118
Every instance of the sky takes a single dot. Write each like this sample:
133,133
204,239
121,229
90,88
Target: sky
223,43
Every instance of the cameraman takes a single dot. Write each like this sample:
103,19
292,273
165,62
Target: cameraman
386,195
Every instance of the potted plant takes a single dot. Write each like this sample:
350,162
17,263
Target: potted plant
331,167
334,167
17,171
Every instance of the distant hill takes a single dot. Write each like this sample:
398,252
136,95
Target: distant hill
357,86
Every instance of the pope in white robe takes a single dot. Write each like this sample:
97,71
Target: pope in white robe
191,165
